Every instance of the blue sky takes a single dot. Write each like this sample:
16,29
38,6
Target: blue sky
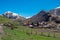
27,8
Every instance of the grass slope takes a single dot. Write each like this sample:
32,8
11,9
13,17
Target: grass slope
5,20
21,34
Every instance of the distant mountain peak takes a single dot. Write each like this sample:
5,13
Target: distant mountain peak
10,14
14,14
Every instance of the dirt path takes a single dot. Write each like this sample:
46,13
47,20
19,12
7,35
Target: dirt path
1,31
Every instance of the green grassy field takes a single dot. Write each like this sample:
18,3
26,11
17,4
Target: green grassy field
24,33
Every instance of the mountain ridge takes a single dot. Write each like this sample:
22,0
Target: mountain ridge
51,15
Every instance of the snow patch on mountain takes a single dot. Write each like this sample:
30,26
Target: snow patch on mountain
27,17
57,7
15,14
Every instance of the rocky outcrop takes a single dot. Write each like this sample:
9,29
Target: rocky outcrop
41,16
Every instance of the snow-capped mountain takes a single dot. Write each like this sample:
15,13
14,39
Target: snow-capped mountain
11,15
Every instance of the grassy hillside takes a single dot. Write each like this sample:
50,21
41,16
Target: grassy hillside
5,20
22,32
